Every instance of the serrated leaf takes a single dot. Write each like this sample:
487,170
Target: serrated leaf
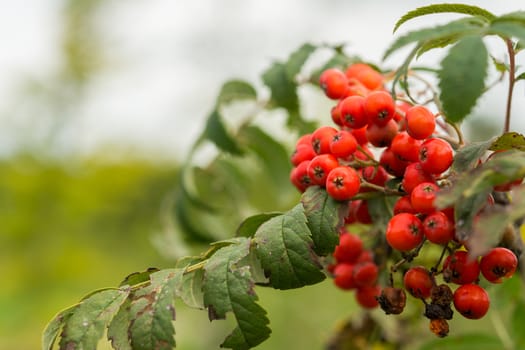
489,227
475,341
152,313
216,132
236,90
437,43
138,277
284,246
248,227
468,156
189,288
297,59
460,27
445,8
54,326
509,140
273,155
118,328
462,77
228,287
86,325
324,218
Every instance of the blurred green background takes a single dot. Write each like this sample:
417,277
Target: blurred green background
100,104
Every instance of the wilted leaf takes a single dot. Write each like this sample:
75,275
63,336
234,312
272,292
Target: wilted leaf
284,246
508,141
462,77
228,287
324,218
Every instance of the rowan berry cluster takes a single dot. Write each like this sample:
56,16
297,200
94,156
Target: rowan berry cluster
379,139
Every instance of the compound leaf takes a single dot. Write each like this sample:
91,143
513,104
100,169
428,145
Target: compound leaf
228,287
216,132
86,324
462,77
324,218
284,246
445,8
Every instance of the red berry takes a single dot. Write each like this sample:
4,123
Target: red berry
403,205
392,163
344,276
301,153
471,301
365,274
367,296
299,176
349,248
497,264
321,139
438,228
342,183
376,175
381,135
435,155
379,107
335,113
343,144
360,135
420,122
320,166
418,282
406,147
334,83
413,176
353,112
365,74
358,212
422,197
404,232
460,269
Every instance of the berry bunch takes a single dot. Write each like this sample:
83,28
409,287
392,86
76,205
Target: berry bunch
379,140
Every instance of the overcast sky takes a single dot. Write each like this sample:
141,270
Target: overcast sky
170,57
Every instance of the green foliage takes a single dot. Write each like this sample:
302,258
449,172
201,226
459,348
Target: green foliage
462,77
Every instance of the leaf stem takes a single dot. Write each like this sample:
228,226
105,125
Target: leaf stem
512,79
196,266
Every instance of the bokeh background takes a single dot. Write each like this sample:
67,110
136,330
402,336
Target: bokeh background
100,102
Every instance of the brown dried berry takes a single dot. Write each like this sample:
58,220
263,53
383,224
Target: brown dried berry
392,300
434,311
439,327
441,295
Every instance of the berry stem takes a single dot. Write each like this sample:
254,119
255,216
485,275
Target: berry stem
382,189
512,79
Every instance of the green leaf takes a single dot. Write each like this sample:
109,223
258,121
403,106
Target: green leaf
54,326
520,77
284,246
474,341
283,89
381,209
236,90
445,8
462,77
489,227
508,141
273,155
324,218
438,43
467,157
138,277
216,132
249,226
297,59
189,286
461,27
118,328
86,325
152,313
508,29
228,287
517,324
